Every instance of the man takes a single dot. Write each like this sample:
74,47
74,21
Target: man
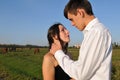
94,60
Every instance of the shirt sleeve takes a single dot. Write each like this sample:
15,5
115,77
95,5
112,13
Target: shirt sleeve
91,55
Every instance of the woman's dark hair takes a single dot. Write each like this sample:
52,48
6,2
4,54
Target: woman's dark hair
73,5
52,32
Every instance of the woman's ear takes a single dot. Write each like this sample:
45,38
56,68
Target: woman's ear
55,37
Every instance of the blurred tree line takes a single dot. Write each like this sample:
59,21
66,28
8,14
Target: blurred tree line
116,45
19,46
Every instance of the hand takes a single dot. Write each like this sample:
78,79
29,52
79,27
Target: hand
55,46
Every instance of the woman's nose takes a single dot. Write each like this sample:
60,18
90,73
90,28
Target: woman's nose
67,31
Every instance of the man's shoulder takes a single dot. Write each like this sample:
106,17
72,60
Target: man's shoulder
99,27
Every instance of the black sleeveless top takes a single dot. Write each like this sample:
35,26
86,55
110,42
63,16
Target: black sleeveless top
60,74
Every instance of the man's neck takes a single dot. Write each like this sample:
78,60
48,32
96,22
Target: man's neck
89,19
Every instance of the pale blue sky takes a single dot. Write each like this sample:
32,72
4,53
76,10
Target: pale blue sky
27,21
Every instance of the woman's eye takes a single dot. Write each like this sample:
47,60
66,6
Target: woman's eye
62,30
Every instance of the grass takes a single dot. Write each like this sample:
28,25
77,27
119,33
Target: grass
25,65
116,64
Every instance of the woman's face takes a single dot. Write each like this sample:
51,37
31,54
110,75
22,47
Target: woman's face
64,34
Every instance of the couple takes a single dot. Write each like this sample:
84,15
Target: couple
94,60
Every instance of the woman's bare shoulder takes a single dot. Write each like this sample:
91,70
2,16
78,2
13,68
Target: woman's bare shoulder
48,55
49,58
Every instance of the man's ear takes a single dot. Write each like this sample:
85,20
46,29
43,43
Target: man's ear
81,12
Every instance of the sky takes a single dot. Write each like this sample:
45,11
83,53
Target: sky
27,21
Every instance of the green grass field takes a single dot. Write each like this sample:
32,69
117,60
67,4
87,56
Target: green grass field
25,65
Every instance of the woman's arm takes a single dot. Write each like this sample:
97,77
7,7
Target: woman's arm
48,68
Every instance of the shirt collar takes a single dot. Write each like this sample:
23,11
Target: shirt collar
90,25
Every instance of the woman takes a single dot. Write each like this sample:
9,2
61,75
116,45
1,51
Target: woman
50,68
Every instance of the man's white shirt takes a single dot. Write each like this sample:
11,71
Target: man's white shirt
94,60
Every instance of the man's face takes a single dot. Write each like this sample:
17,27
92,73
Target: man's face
76,20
